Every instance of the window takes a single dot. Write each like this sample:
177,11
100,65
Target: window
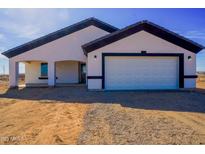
44,69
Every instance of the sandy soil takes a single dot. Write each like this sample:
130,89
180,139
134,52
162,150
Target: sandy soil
73,115
201,81
40,122
201,85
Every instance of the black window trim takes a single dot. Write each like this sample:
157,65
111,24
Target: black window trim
43,76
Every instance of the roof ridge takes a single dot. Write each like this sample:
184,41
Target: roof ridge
172,32
108,35
143,24
61,33
44,36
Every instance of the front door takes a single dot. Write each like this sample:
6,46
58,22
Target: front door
82,73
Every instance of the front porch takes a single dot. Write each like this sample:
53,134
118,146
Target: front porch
44,74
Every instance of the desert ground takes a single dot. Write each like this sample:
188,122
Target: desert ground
74,115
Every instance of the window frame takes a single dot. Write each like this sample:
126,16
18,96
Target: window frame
42,73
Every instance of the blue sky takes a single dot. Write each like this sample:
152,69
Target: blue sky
18,26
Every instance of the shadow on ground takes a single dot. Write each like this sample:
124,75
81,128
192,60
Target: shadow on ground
185,101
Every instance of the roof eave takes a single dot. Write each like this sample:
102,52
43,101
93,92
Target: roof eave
145,25
58,34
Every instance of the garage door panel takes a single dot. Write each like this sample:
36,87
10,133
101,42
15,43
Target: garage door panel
124,72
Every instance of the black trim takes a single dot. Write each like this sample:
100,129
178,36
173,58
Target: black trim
181,70
190,76
148,27
143,52
44,78
94,77
180,55
58,34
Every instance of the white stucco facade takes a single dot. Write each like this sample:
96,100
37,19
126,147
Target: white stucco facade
33,72
66,72
65,57
67,48
141,41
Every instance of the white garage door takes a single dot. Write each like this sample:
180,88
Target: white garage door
129,72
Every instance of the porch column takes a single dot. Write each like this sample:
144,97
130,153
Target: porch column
13,73
51,73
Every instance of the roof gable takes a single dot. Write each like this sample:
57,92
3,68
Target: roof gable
148,27
58,34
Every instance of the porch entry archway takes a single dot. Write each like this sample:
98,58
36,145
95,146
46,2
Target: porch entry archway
70,72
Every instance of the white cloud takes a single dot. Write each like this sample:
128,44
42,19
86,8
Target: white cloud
2,37
195,34
32,23
2,57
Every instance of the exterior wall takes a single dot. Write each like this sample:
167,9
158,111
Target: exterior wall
33,72
65,48
67,72
135,44
94,84
190,83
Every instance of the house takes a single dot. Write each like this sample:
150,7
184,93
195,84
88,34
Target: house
140,56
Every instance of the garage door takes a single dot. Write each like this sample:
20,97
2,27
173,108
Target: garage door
140,72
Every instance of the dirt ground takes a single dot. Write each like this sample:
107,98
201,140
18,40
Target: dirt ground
44,122
73,115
